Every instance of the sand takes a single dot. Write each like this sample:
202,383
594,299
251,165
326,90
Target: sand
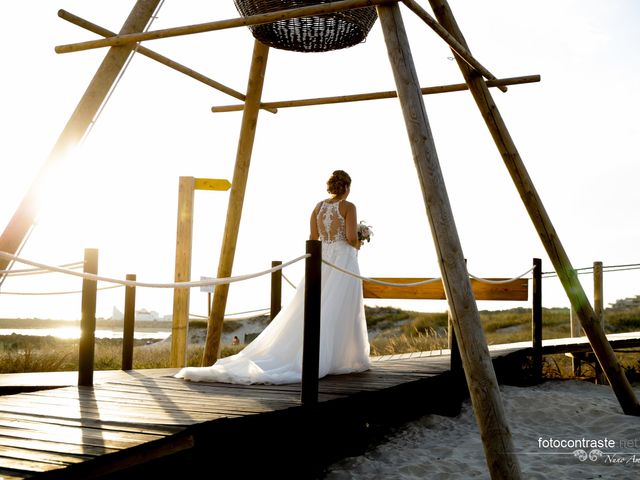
576,413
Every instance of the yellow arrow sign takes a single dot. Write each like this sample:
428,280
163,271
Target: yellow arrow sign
212,184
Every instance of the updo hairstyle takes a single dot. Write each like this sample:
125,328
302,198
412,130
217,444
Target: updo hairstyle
338,183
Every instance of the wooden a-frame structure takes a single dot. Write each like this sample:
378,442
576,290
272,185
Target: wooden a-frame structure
483,386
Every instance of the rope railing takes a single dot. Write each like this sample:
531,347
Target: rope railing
37,271
289,282
605,268
497,282
135,283
380,282
422,282
232,314
41,268
65,292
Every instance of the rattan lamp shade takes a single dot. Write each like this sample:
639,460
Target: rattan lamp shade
309,34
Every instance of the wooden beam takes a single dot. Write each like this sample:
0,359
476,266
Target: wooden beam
92,27
456,46
76,127
456,87
481,378
516,290
548,235
311,10
236,199
184,236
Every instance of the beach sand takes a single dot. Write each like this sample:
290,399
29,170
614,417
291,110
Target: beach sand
580,413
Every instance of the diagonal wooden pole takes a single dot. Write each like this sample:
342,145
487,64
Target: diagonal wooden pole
557,254
483,385
76,127
92,27
236,199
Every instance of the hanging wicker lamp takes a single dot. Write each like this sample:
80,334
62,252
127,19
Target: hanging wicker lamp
320,33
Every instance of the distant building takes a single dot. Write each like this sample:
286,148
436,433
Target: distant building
117,315
142,315
626,303
147,315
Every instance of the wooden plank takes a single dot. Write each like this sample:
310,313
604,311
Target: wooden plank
44,431
55,458
70,378
7,474
55,446
140,417
174,406
26,465
89,423
516,290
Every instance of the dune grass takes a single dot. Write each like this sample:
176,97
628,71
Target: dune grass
393,331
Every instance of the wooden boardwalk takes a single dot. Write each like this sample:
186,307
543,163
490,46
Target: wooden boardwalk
145,421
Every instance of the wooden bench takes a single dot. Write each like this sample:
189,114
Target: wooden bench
514,290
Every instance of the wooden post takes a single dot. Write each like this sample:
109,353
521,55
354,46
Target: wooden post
574,323
311,340
86,347
455,364
575,330
554,248
598,289
481,378
276,290
236,199
129,324
184,235
458,383
24,216
536,319
598,307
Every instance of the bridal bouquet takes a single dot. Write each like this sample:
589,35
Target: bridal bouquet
364,232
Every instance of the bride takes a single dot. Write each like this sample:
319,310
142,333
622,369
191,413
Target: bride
275,356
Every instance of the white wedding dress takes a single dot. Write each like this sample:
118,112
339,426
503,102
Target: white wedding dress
275,356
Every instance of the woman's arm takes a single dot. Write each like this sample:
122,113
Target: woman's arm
313,225
351,225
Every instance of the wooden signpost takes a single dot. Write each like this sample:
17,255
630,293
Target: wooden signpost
180,323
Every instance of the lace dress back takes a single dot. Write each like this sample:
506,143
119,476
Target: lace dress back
331,226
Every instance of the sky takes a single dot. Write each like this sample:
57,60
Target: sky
577,132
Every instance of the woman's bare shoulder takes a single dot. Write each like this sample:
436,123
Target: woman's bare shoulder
349,205
316,209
